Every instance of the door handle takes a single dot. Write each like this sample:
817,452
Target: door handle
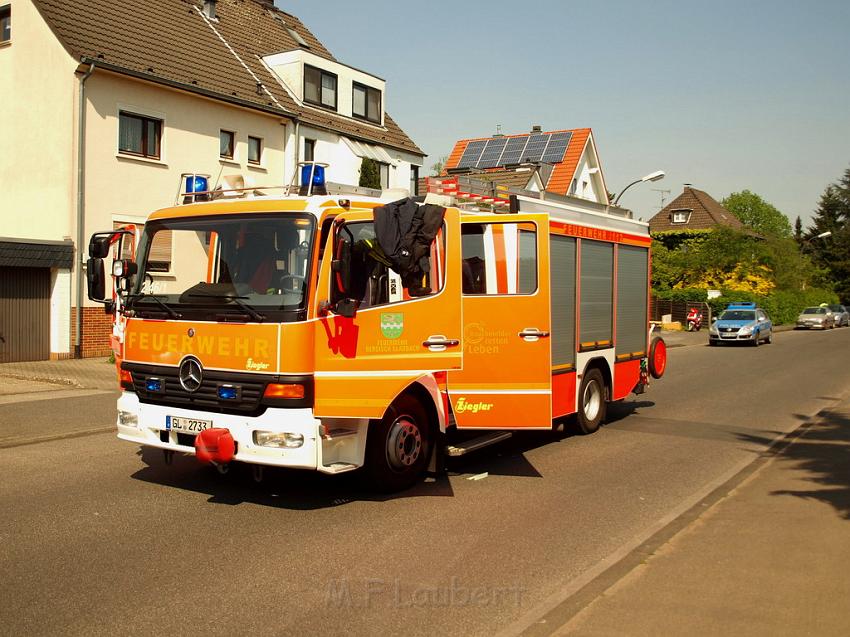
532,334
439,343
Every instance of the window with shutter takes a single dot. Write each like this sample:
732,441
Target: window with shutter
159,258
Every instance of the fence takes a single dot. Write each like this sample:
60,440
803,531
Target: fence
678,309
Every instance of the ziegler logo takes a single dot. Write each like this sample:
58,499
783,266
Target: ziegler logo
251,364
463,407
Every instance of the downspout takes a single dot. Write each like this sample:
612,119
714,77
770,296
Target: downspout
81,137
295,175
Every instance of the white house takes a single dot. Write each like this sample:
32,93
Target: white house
110,104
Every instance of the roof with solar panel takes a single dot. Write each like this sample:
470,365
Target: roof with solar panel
571,154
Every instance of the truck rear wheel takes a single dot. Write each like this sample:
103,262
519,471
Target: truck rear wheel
592,405
398,446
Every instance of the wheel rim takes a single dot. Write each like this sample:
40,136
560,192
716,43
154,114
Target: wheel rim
404,443
592,400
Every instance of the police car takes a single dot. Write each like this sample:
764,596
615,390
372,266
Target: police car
741,322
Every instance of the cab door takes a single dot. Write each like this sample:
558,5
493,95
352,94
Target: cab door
506,380
363,362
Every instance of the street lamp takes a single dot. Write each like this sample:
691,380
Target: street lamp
807,242
656,176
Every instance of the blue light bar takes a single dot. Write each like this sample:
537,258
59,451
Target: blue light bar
741,306
228,392
318,173
197,183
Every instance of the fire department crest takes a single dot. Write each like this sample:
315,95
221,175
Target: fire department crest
392,324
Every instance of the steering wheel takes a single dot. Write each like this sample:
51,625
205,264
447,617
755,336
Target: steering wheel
291,283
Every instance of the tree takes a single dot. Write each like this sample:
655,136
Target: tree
833,252
757,214
798,231
370,174
437,167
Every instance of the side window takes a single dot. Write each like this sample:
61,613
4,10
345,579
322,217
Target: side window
372,281
499,258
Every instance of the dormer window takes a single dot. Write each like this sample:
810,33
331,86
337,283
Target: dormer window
320,87
366,103
680,216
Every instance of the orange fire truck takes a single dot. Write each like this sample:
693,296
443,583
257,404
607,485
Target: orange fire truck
278,335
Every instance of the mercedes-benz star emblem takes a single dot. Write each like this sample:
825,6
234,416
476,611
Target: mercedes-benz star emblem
191,374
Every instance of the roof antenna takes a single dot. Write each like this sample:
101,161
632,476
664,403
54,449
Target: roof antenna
498,130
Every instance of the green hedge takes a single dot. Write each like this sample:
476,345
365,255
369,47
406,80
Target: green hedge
782,307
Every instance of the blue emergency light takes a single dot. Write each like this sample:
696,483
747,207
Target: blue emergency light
197,183
153,385
318,175
228,392
741,306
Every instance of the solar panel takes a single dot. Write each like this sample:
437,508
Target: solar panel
490,156
503,151
472,154
513,150
535,147
557,148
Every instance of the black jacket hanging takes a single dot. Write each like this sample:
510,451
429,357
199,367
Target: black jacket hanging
405,230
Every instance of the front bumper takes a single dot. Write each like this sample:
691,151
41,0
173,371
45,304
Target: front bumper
340,449
731,337
810,326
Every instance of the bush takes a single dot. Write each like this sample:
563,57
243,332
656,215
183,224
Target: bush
781,306
682,294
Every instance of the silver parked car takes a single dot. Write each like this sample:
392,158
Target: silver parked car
816,317
841,315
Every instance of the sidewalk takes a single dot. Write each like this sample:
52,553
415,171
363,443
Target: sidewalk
84,373
771,558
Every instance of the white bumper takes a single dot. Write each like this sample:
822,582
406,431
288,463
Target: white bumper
329,454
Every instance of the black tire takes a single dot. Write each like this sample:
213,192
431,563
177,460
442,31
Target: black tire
398,447
769,338
592,404
756,339
712,343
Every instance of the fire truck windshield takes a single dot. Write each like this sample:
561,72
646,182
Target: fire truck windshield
226,268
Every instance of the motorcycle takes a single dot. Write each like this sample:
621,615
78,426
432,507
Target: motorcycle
694,320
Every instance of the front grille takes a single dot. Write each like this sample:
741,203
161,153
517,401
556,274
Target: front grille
206,398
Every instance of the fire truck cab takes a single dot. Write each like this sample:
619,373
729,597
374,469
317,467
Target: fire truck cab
280,336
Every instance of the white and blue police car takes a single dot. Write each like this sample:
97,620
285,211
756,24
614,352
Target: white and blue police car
741,322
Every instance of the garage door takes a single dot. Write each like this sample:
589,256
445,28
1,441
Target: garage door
24,314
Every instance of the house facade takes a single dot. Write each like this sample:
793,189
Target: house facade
107,117
566,161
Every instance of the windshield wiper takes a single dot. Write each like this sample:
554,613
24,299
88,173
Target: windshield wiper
254,314
170,310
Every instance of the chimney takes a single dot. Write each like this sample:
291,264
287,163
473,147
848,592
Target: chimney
537,128
209,9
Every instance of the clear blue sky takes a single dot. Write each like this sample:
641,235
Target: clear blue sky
727,95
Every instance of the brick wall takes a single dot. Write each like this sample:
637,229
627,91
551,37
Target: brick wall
96,330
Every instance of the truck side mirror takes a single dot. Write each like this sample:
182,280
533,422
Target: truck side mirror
341,267
96,279
99,245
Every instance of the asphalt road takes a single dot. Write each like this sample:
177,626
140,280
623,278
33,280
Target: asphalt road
98,537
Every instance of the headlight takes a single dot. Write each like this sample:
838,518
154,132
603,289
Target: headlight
744,331
278,440
128,419
712,329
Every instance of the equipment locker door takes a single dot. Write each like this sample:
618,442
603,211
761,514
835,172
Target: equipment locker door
362,363
506,381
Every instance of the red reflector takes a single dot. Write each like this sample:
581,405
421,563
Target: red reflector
277,390
215,446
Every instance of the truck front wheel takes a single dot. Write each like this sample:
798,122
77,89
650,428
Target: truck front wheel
398,446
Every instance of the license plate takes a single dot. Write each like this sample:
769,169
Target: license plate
186,425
